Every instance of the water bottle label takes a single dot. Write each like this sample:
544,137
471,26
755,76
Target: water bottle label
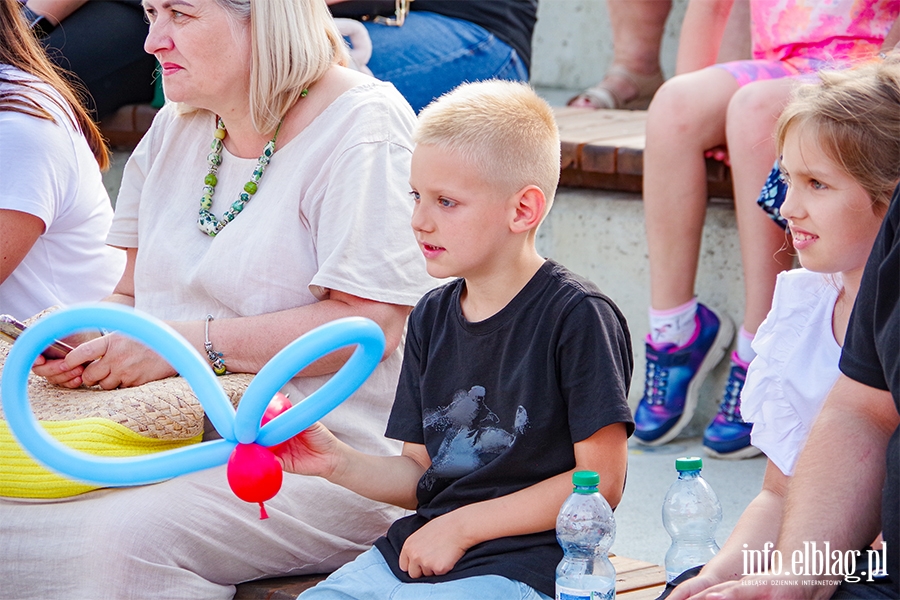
567,593
673,575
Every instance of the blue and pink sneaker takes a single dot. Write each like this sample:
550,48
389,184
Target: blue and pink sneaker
728,436
674,376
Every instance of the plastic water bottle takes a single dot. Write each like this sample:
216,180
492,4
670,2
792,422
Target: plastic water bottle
585,528
691,512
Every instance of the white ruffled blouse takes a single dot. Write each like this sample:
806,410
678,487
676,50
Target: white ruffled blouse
795,367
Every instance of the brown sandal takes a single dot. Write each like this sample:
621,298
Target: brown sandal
602,96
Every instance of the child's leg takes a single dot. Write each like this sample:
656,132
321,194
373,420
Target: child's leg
686,117
752,115
369,576
366,577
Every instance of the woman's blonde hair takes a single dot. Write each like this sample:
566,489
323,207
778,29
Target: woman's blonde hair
20,49
503,128
855,116
293,43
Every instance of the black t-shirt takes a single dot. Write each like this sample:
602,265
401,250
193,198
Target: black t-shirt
499,404
871,355
510,20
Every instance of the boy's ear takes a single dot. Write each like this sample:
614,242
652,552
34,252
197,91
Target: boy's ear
529,209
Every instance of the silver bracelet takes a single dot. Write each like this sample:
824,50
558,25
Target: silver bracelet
215,358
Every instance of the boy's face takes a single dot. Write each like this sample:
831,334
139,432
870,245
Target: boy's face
459,219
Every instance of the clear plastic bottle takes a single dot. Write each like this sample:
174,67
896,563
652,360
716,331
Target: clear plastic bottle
691,512
585,528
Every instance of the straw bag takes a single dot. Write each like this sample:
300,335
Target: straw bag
154,417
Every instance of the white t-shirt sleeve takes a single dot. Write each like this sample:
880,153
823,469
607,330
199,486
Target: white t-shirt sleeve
361,214
367,189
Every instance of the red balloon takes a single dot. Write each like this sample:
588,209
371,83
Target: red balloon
279,404
254,474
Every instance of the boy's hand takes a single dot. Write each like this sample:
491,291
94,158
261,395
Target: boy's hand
312,452
435,548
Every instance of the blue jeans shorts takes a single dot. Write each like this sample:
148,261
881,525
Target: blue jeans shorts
431,54
370,577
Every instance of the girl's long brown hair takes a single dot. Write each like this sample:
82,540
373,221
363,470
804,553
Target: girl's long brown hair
20,49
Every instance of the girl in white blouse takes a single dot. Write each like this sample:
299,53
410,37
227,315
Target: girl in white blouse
839,148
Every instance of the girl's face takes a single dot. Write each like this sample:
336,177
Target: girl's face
830,216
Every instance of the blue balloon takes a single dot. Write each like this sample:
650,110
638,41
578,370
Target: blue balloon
241,426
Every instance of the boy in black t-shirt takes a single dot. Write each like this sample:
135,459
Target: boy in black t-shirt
514,375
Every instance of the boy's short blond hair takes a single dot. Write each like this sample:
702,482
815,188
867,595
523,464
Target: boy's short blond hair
503,128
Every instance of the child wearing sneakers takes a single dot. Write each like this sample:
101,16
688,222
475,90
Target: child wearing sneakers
734,104
839,147
514,375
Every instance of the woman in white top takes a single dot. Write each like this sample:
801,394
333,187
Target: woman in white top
261,104
54,210
839,146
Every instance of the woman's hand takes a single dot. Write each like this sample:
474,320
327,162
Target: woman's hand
434,549
313,452
110,361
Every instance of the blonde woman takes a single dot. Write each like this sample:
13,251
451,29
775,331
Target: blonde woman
271,195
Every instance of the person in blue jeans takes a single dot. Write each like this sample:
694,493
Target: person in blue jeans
443,43
100,45
514,375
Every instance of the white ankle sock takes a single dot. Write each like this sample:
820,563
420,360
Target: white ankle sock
744,351
674,325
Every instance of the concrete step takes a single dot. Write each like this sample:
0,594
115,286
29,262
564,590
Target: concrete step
600,235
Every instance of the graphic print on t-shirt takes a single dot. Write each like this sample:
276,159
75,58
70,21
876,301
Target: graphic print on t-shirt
472,436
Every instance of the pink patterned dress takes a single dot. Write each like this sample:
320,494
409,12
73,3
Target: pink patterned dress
797,37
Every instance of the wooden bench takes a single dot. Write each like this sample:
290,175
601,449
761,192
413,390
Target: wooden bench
635,580
604,149
601,149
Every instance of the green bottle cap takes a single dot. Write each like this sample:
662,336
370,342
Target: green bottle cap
689,463
585,479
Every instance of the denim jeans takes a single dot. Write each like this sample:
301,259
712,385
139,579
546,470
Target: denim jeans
431,54
369,577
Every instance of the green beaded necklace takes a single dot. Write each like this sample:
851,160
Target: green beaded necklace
208,223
